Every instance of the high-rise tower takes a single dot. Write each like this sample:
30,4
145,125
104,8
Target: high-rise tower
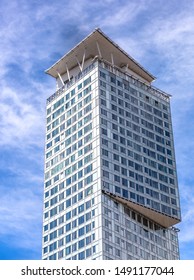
111,187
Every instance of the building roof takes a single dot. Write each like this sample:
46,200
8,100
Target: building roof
98,44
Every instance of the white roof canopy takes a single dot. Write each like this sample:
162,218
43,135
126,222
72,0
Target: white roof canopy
98,44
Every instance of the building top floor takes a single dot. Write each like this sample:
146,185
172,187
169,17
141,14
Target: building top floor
63,84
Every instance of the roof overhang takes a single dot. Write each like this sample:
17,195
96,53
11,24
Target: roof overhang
157,217
98,44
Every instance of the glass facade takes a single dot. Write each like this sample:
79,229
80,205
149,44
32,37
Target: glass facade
110,187
138,159
72,193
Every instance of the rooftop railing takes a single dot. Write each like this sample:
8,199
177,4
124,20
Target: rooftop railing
135,81
117,71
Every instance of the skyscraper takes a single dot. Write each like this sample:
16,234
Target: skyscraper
111,187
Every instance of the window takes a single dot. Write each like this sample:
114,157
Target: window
103,112
114,117
49,145
81,243
68,191
121,111
79,86
113,79
115,127
88,204
123,150
80,185
115,137
123,160
45,238
80,196
105,152
68,181
88,180
68,215
88,169
103,75
87,90
88,240
122,140
53,224
116,157
124,182
61,242
104,131
88,252
52,246
116,178
53,211
124,171
81,220
68,238
81,256
88,216
88,99
48,183
104,142
61,220
88,191
53,235
87,81
103,102
125,193
105,174
113,98
81,208
105,163
68,227
81,231
114,107
68,203
74,247
117,252
68,250
117,189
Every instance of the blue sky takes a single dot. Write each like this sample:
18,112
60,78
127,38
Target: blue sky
33,35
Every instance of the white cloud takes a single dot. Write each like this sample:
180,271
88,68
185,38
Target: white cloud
20,219
21,122
173,38
121,14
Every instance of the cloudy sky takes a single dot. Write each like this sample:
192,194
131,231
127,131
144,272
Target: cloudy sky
36,33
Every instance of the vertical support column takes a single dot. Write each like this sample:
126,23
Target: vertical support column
83,60
112,59
60,78
68,75
81,65
98,48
